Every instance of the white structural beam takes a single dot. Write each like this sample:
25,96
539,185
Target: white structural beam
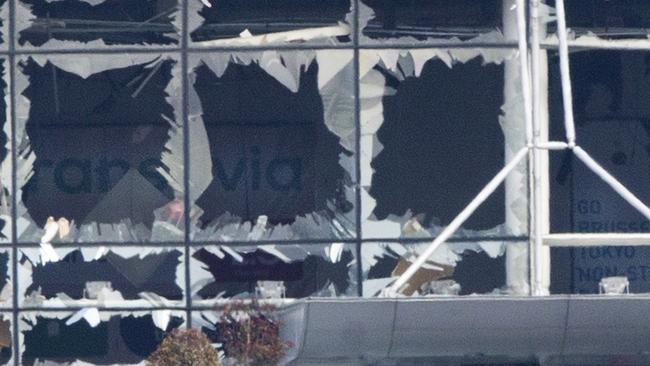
593,42
517,115
565,73
540,255
552,145
596,239
524,70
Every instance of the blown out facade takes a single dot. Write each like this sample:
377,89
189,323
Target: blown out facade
410,178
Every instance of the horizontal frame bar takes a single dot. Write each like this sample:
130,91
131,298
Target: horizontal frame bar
596,239
204,243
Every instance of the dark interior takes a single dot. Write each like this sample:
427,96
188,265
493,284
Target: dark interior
608,19
442,143
154,273
121,340
432,18
271,151
302,278
98,142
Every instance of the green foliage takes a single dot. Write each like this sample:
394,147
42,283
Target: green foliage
251,334
185,347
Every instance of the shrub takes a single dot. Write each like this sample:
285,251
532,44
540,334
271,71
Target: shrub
250,334
185,347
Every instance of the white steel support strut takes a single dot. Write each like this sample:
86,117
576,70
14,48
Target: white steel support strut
540,256
516,110
612,182
525,70
567,97
518,253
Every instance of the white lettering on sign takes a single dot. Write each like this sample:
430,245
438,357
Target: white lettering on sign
620,147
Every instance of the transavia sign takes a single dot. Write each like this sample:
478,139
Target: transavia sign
74,175
78,175
279,174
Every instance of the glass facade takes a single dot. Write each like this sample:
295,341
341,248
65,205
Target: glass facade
160,156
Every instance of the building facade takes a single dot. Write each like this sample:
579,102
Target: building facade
160,156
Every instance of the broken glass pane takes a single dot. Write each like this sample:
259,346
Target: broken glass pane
431,140
458,268
611,90
97,23
262,22
5,159
98,338
607,19
418,20
274,271
272,141
101,276
6,287
100,157
4,23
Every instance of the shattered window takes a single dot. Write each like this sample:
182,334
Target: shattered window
612,116
98,338
97,22
4,23
607,19
420,20
96,148
437,144
274,138
101,276
5,159
288,270
456,268
255,22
